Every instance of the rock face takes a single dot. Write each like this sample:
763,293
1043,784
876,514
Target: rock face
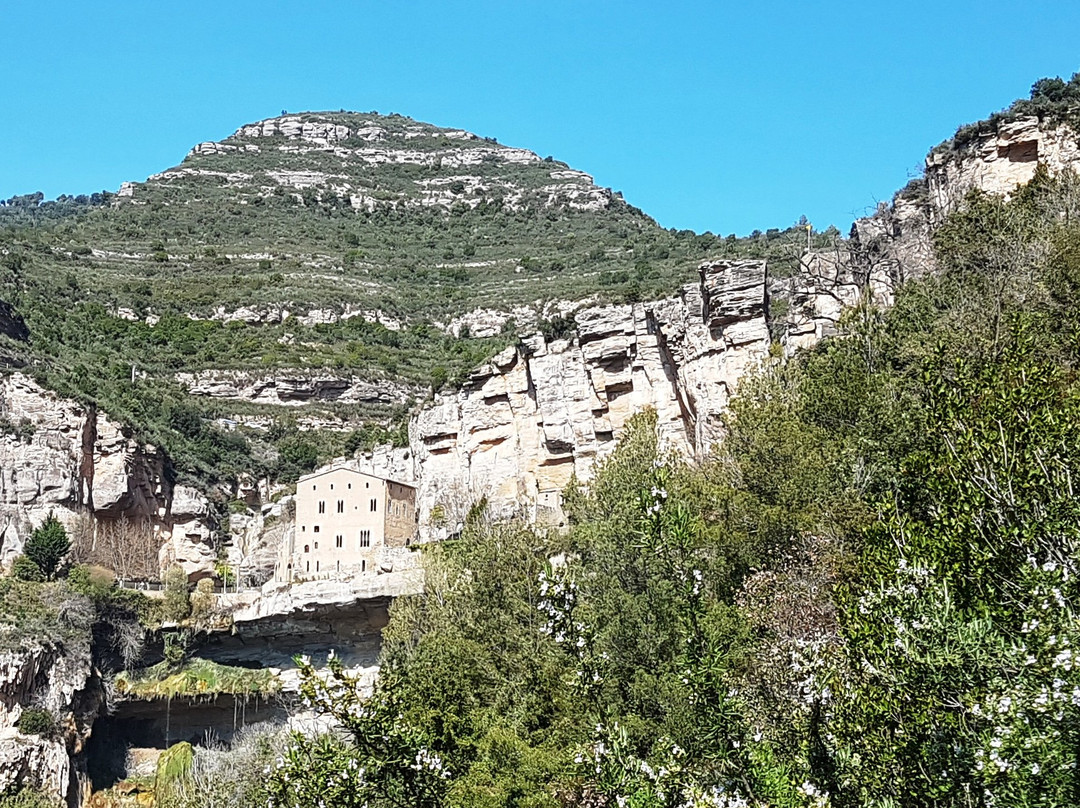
51,678
896,238
294,389
59,456
30,760
537,414
999,162
540,413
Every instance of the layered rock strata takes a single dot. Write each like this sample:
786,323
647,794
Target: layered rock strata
896,238
59,456
542,412
294,388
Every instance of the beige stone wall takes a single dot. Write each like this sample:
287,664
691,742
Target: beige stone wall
400,514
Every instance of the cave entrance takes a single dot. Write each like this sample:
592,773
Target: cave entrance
128,742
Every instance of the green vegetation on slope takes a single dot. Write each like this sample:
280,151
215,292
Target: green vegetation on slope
1051,99
443,223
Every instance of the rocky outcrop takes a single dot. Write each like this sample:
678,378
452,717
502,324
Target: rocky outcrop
279,605
828,283
999,162
51,678
295,388
544,411
30,760
60,456
896,238
462,161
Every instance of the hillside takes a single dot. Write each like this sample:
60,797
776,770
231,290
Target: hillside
818,542
385,256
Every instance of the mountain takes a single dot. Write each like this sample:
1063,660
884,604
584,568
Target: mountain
351,262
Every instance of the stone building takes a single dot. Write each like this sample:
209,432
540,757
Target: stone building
345,522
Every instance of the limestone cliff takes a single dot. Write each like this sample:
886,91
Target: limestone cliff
545,410
56,679
896,238
57,455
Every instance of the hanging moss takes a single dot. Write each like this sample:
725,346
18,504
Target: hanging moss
173,770
197,677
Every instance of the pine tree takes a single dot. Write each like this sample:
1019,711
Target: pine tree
48,545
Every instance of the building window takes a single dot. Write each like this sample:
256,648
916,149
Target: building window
314,487
339,565
316,545
374,505
322,507
350,486
316,566
363,565
331,486
307,548
365,538
303,528
308,567
338,541
341,506
315,529
367,485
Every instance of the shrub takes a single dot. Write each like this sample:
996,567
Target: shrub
202,601
48,545
27,798
96,582
176,605
36,721
26,570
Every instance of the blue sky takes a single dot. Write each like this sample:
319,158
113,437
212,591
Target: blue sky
711,116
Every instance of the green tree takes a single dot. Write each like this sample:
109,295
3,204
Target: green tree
48,545
958,679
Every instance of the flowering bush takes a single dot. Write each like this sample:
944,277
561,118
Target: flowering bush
372,757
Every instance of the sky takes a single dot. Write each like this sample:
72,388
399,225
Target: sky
717,116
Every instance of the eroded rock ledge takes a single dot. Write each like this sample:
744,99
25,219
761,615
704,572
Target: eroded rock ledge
57,455
543,411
